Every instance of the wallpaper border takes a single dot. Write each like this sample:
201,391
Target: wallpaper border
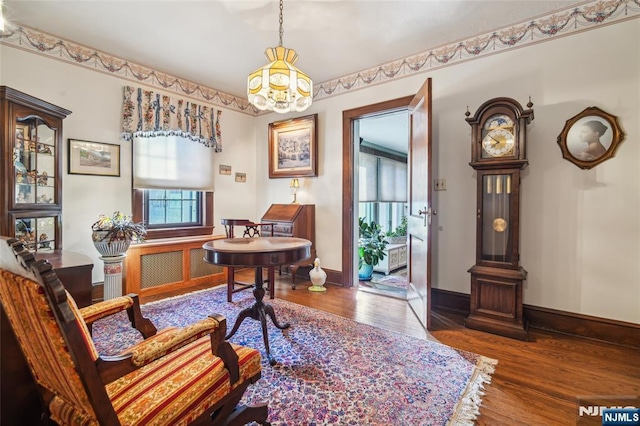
573,20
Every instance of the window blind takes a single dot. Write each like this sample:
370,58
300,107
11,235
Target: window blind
368,178
392,180
172,162
382,179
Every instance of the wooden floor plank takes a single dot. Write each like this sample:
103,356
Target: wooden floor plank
535,383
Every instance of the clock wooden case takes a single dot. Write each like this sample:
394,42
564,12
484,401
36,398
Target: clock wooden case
498,154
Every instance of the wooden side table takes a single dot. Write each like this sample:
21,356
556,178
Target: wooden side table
251,230
258,253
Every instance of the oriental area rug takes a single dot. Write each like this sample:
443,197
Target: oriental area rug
394,285
331,370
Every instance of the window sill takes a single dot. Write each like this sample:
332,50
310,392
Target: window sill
155,234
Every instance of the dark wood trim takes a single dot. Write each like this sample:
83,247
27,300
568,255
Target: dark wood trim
450,301
348,118
607,330
384,154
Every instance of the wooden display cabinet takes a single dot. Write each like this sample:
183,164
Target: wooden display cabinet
31,170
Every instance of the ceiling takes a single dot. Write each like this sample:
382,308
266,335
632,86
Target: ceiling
217,43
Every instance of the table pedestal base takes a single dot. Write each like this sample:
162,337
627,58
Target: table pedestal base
259,312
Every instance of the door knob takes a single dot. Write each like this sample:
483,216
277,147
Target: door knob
427,213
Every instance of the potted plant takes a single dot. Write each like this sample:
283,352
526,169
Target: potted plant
112,235
398,235
371,248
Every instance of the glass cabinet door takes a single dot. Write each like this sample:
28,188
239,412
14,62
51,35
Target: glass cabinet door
37,232
34,159
31,195
498,216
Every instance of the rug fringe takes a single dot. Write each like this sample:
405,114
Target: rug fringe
467,409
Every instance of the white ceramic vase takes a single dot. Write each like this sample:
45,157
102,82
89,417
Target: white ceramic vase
109,248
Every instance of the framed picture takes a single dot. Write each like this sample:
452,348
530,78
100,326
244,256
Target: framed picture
22,132
293,147
589,138
93,158
241,177
224,170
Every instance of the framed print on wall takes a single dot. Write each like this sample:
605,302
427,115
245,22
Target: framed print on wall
93,158
293,147
589,138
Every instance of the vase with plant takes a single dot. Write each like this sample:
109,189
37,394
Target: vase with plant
371,247
113,234
399,234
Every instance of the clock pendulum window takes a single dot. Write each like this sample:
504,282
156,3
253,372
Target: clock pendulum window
498,154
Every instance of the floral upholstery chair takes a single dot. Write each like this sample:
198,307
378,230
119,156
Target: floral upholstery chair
173,377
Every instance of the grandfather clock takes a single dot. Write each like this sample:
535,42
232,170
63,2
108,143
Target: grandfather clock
498,154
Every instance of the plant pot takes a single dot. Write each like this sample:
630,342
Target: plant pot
109,248
397,240
365,272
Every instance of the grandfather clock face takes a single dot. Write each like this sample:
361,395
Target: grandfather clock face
498,136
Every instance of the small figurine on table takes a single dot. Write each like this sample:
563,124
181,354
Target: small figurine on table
42,179
31,176
44,243
44,198
43,149
19,177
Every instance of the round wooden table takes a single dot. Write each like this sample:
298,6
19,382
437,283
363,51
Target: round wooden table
258,253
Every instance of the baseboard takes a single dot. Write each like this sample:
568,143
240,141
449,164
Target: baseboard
608,330
333,277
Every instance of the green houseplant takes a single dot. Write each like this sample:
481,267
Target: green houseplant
371,247
113,234
399,235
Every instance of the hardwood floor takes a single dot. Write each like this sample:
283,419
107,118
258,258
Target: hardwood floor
535,383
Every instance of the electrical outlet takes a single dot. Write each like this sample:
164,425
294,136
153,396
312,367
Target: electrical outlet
439,185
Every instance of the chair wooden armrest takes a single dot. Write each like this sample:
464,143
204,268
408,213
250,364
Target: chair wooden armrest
106,308
78,386
168,341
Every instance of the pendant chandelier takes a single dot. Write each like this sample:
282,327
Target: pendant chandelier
279,86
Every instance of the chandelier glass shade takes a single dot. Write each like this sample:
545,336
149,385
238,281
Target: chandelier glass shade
279,85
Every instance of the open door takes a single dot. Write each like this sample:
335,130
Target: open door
419,203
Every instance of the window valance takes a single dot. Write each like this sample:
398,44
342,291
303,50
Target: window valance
146,113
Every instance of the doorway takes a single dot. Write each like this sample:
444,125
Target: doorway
350,130
381,144
420,212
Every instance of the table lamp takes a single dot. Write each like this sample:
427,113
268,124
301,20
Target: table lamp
295,184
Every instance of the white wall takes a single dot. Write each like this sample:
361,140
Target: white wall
95,100
580,229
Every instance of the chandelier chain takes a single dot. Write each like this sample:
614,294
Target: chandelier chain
281,20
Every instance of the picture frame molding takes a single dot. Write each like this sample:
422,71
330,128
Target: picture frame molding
306,126
74,161
617,136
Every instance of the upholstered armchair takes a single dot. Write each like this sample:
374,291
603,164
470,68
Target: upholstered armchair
175,376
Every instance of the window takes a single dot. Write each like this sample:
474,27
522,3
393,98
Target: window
173,186
172,208
382,188
160,214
